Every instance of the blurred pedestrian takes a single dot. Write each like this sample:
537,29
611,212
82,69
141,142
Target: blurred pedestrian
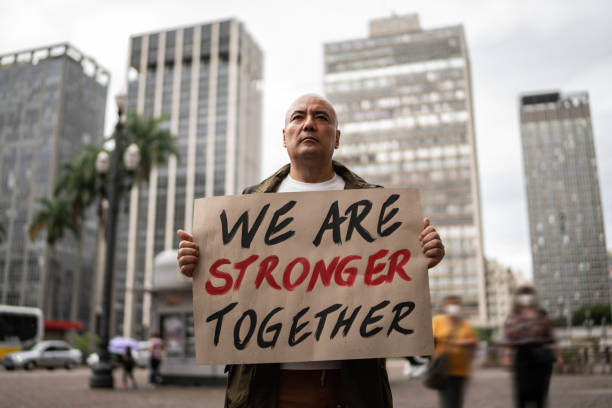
128,363
156,350
456,338
529,334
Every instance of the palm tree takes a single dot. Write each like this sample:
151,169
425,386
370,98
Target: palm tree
54,216
155,142
78,181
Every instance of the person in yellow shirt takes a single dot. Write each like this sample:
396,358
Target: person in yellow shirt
455,337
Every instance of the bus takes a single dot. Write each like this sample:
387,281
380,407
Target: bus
20,328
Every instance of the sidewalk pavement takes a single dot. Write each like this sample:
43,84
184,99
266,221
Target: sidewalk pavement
488,388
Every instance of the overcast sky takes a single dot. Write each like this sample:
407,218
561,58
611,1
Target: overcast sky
515,46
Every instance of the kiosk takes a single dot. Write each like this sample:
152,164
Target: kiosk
172,319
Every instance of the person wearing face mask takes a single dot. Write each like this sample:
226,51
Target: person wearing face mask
529,335
455,337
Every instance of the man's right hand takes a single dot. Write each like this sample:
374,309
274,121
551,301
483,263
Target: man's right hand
188,253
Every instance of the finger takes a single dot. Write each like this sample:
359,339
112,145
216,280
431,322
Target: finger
184,236
187,260
188,244
187,270
430,237
188,251
426,231
433,260
435,253
435,243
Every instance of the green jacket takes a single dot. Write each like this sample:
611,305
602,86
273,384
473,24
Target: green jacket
365,383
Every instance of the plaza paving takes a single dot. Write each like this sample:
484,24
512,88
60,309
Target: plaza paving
490,388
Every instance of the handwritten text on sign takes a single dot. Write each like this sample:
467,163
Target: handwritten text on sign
310,276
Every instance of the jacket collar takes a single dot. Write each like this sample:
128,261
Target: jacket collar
352,181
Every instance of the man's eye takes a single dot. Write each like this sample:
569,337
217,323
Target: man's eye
296,117
322,117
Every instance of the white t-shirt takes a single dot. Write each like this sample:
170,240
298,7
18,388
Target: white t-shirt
289,185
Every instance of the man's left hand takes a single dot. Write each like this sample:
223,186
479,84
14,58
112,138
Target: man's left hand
431,244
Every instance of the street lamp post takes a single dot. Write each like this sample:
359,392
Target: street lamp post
102,167
102,372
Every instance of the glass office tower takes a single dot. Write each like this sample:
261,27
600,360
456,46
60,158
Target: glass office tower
568,244
52,103
404,100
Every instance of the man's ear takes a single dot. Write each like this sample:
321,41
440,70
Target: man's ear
337,139
284,141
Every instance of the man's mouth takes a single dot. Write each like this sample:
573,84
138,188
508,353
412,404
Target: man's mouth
309,138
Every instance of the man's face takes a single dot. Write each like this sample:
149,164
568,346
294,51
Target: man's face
311,129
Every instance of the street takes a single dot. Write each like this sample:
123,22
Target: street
490,388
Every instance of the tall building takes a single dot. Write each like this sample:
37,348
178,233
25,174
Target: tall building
568,245
206,80
52,103
404,100
501,282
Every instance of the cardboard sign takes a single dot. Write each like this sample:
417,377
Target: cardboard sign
330,275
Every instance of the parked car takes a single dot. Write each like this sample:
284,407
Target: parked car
49,354
141,356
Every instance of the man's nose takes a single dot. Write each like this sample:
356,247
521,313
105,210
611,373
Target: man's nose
309,123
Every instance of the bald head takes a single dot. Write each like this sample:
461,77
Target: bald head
310,136
312,98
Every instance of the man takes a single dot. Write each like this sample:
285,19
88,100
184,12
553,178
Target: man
456,338
310,136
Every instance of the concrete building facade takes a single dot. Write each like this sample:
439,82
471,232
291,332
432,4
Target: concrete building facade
52,103
568,244
501,282
206,81
404,100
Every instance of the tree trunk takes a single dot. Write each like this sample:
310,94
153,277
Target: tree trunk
76,286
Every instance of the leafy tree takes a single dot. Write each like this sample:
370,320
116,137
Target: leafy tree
484,334
77,181
559,321
82,342
155,142
76,187
55,217
594,312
